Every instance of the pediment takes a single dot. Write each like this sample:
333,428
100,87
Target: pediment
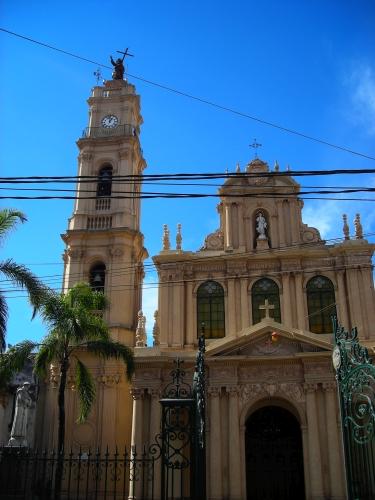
267,339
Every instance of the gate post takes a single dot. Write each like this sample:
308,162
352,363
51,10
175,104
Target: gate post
355,376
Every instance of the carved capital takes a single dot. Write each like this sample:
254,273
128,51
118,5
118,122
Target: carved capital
137,393
76,253
154,393
309,387
109,380
85,157
329,386
214,392
233,391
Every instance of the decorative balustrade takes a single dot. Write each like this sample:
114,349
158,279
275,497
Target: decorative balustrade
99,222
103,203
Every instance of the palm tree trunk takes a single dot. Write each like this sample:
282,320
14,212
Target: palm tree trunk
61,429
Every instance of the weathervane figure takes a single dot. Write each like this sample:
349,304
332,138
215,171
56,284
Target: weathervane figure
255,145
118,71
98,75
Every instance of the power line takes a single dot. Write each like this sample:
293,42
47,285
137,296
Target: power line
199,99
151,267
268,273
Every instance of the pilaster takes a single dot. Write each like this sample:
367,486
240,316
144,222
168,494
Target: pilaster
235,483
215,444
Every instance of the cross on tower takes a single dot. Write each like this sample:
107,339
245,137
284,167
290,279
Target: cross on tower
255,145
126,53
267,307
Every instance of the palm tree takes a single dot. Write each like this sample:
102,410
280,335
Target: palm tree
75,325
16,273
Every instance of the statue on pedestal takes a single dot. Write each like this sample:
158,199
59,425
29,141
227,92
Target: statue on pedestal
261,226
21,421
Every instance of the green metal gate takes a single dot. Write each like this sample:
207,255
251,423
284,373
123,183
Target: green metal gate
355,375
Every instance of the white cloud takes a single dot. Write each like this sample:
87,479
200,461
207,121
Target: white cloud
326,216
361,82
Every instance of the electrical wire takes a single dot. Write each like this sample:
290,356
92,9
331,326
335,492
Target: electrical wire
199,99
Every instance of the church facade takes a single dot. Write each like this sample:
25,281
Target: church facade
262,287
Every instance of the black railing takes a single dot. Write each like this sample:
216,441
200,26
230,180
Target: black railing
30,475
97,132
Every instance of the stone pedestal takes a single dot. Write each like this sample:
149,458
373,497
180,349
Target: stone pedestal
262,244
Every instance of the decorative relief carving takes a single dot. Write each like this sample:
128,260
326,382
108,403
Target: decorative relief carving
214,392
123,154
310,234
214,241
116,251
76,253
85,156
137,393
109,380
270,373
293,391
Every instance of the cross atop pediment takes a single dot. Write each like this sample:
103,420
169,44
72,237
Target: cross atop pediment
267,307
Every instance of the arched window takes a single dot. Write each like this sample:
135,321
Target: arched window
97,277
104,187
320,304
265,289
210,309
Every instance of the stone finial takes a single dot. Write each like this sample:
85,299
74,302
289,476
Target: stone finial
166,242
276,166
178,237
238,168
358,227
156,330
140,333
345,227
288,168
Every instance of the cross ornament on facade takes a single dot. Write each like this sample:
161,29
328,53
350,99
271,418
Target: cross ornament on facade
255,145
267,307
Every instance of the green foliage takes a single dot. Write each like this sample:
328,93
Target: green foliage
16,274
14,360
86,391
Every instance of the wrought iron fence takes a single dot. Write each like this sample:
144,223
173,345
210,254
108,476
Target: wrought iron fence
30,475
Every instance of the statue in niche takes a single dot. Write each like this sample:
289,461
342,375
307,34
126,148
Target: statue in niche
22,414
261,226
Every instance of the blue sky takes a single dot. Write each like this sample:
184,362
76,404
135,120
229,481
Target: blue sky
305,65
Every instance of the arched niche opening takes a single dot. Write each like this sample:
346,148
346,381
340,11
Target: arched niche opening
97,276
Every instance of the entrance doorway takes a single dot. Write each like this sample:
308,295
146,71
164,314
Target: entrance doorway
274,458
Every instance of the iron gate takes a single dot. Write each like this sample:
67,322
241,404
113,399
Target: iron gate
355,375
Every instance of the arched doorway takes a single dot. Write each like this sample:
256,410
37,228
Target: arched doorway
274,458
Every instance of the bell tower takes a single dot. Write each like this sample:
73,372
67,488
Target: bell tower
104,245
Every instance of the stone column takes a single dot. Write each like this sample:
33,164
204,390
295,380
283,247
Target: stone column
228,226
368,289
315,470
300,301
241,228
235,484
342,310
231,307
286,310
155,428
189,314
215,471
281,223
135,487
244,304
335,464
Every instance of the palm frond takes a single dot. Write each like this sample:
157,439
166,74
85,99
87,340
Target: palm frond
12,361
3,322
111,349
48,350
82,295
8,219
86,391
19,275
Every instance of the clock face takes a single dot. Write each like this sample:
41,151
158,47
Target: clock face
110,121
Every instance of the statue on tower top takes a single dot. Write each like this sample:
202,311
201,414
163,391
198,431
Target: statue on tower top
118,65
